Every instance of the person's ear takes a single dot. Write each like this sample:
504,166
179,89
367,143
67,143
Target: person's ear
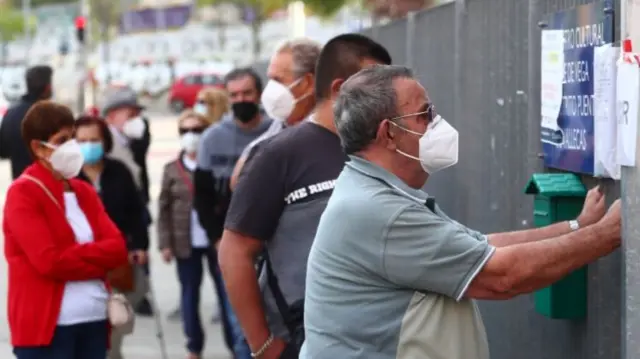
308,83
335,87
386,135
38,149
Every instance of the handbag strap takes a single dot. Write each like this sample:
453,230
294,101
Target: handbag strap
44,188
272,280
185,176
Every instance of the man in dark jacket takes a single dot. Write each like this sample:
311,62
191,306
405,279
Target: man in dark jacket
132,139
38,79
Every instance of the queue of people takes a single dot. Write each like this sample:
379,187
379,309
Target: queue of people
304,199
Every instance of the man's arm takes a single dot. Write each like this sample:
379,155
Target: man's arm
253,215
237,254
523,268
593,210
429,252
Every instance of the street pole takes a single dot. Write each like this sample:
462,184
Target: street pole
82,59
26,13
630,182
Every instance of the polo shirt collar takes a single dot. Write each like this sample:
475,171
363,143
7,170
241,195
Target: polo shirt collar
372,170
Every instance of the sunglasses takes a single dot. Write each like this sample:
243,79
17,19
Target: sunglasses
194,130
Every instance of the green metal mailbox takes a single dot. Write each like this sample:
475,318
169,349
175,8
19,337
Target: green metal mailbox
559,197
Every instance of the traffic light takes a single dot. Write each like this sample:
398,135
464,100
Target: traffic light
80,24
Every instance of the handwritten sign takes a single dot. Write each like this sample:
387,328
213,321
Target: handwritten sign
628,94
604,112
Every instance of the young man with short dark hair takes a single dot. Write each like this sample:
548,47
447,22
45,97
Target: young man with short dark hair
38,79
220,147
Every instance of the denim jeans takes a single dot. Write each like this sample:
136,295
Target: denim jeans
78,341
190,274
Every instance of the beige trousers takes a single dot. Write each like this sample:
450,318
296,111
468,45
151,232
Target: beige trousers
141,286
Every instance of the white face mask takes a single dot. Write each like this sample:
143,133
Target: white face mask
201,109
134,128
66,159
190,142
438,146
278,101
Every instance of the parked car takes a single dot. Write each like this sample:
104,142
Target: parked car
185,89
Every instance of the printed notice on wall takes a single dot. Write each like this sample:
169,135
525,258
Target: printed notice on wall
604,112
568,45
627,96
551,74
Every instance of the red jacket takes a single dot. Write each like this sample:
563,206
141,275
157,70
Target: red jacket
42,253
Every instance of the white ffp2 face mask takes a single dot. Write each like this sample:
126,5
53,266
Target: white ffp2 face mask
66,159
278,101
134,128
190,142
438,146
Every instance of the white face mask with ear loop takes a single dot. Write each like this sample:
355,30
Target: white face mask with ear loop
190,142
66,159
438,146
134,128
278,100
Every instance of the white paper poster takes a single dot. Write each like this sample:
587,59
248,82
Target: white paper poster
552,73
604,108
627,95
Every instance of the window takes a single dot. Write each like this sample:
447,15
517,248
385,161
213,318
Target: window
193,80
211,80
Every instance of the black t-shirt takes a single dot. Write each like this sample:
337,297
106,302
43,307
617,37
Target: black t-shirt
295,167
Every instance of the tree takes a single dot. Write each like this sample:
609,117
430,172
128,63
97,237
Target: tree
104,15
256,11
396,9
326,8
18,3
11,25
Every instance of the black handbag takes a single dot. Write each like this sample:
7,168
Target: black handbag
292,315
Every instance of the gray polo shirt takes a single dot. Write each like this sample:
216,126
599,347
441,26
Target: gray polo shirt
387,275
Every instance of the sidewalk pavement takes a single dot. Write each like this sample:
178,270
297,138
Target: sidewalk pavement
143,343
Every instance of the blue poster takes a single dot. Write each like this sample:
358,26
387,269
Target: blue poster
568,144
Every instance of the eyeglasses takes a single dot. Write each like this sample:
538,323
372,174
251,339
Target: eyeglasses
194,130
428,115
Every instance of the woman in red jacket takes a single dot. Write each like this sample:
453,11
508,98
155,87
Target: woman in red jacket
59,245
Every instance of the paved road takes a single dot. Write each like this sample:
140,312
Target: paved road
143,344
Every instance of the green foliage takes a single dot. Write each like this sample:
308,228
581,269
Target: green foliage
18,3
263,8
104,14
325,8
11,23
322,8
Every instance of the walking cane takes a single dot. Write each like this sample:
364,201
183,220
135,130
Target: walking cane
158,319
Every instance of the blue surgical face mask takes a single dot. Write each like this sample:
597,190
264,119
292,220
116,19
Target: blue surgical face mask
92,152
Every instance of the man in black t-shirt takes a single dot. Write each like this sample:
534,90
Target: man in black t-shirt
280,196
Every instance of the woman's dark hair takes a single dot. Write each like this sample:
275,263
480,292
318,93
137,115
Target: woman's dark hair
43,120
107,138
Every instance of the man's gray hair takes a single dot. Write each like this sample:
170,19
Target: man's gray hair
365,100
305,54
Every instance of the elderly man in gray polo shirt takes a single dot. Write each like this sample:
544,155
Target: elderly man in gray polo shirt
389,274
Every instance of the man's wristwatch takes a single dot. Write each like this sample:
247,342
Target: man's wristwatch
574,225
